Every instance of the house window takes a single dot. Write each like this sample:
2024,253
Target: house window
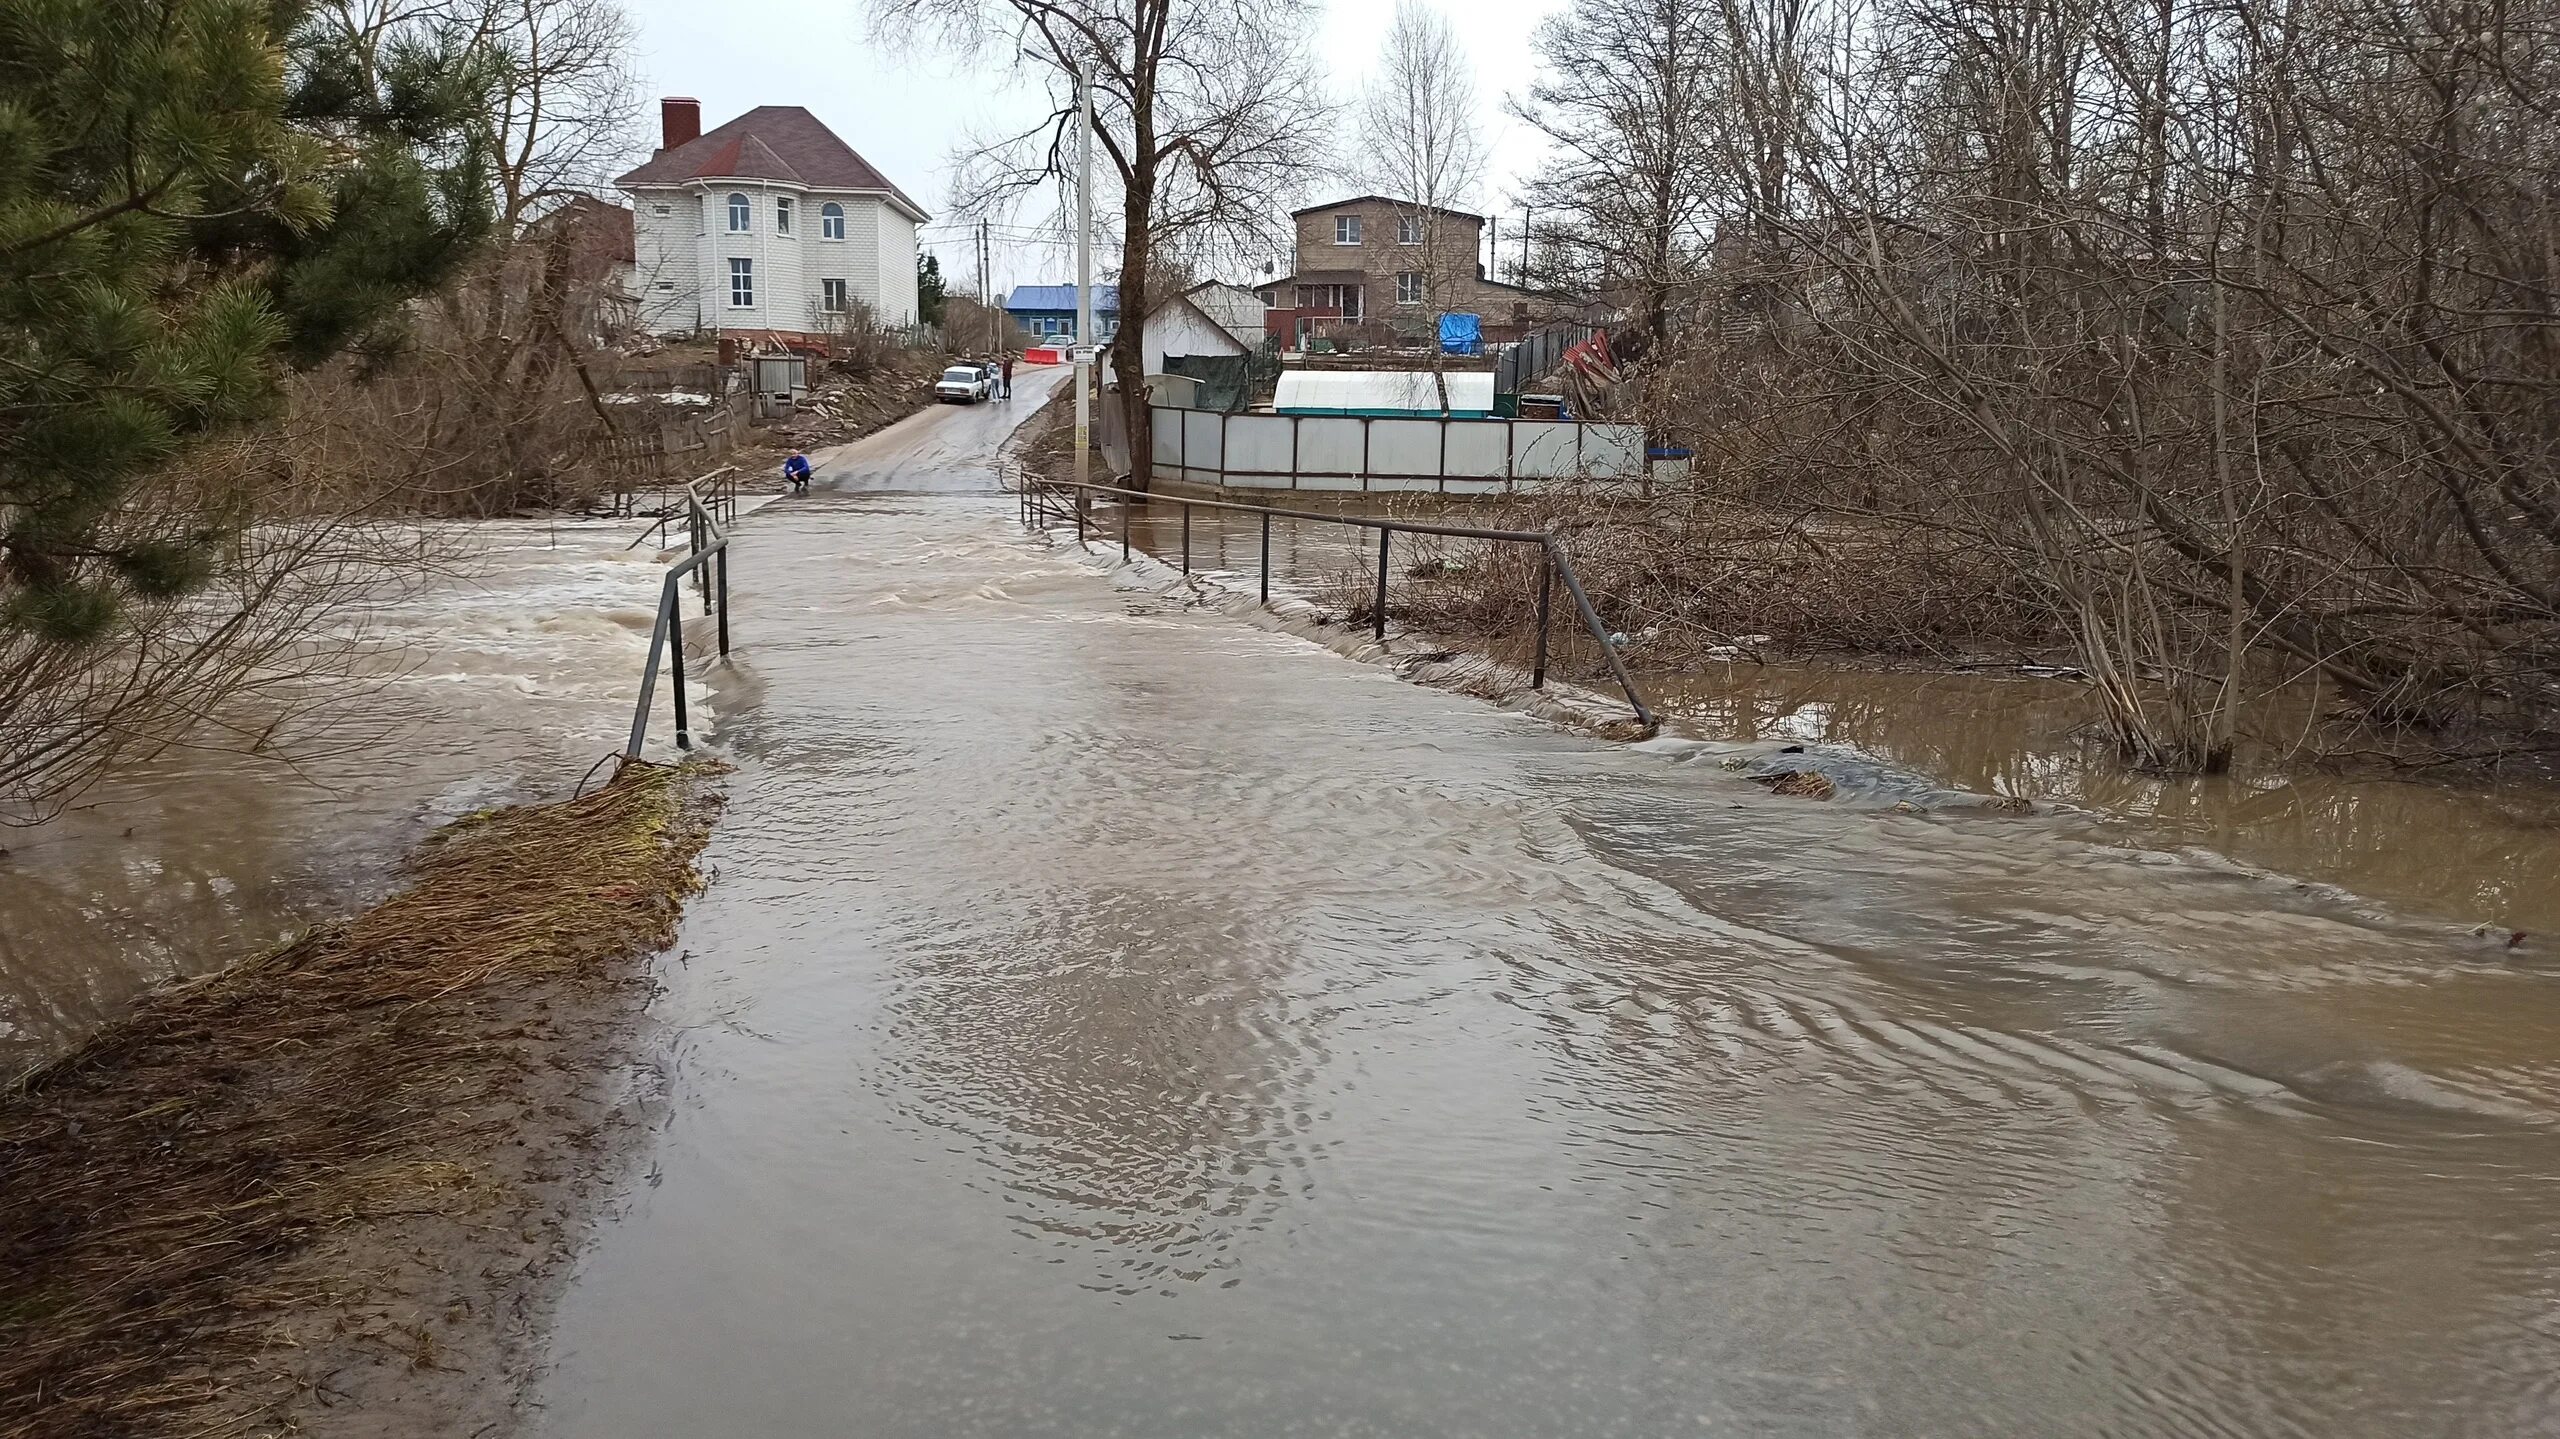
1408,229
738,212
782,215
662,209
1409,288
831,221
832,297
666,284
742,284
1346,229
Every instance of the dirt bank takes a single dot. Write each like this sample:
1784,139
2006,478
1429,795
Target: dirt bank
323,1191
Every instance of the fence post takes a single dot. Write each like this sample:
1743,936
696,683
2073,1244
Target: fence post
1186,535
1081,499
1546,601
1383,536
723,562
1124,529
675,672
1266,556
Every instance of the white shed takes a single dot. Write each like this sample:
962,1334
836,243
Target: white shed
1180,329
1237,310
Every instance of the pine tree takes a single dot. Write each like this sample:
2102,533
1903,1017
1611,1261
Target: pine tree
194,195
930,288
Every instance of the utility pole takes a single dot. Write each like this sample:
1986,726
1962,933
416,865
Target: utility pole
1084,278
1525,220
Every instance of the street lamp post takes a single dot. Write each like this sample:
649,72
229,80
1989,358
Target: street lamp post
1084,277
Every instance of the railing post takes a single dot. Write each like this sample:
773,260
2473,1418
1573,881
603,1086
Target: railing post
1266,557
1186,535
694,517
675,673
723,562
1124,529
1546,603
1383,535
1081,499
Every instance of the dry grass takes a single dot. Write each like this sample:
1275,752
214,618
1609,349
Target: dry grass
1691,579
158,1184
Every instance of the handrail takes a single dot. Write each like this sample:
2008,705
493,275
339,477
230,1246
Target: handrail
1037,493
708,562
723,502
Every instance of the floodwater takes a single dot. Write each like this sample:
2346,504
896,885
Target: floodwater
506,676
2474,854
2470,853
1109,1018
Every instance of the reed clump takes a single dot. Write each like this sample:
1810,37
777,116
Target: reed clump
163,1186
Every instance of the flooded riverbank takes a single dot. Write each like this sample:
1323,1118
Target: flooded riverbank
2463,851
496,681
2467,853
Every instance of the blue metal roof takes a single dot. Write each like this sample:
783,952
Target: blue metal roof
1060,298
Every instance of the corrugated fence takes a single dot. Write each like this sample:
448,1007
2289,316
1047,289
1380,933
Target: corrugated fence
1343,453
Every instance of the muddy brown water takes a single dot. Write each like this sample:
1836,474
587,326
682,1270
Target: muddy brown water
503,679
1108,1017
2468,853
499,680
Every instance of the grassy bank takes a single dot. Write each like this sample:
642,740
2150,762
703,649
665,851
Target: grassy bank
316,1191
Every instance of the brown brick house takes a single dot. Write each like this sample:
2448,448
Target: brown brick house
1372,261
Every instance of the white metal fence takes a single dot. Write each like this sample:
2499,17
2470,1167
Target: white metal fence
1345,453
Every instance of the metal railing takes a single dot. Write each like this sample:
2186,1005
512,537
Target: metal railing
716,492
708,562
1047,502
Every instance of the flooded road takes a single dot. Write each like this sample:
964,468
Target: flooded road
1112,1018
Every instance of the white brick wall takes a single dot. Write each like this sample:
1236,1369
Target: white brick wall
683,258
897,266
850,259
666,267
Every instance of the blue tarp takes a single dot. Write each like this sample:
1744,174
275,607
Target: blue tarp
1461,335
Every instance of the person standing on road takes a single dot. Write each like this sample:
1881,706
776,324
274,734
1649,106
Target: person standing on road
1008,375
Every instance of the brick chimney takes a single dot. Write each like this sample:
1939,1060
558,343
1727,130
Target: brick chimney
679,121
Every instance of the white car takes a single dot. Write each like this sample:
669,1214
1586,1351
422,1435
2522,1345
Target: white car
964,385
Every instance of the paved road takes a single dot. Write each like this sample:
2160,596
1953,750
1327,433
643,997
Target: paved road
1109,1018
944,450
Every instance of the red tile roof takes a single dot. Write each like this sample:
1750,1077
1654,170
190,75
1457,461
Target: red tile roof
771,142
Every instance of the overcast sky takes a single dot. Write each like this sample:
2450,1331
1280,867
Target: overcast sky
907,114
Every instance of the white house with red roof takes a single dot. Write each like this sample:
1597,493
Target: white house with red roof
769,227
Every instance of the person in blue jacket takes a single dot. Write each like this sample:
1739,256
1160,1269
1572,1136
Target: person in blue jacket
796,470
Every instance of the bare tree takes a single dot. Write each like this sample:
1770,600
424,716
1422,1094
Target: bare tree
2227,332
1419,145
1630,189
566,113
1204,111
562,109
